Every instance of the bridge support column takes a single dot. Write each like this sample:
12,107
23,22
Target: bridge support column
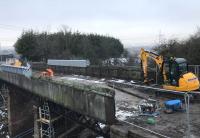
20,111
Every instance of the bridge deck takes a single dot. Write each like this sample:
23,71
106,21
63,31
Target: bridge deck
88,99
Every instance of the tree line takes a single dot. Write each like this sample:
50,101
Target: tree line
188,49
40,46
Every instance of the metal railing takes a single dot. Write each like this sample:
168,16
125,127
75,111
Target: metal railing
25,133
195,69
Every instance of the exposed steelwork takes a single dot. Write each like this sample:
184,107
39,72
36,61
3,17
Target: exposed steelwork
3,111
87,122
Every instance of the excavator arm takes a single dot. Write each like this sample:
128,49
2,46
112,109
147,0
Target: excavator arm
144,55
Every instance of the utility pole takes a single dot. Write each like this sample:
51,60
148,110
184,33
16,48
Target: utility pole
187,106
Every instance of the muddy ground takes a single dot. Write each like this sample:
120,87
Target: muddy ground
172,125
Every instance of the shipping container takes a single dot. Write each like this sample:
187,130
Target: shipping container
68,63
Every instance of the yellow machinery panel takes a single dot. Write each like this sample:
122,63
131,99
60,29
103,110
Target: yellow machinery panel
189,82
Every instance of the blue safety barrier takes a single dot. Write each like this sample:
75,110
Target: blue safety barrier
26,71
173,104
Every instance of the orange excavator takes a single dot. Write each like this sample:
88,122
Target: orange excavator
48,73
178,78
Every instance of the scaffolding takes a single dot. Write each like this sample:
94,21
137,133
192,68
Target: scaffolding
4,96
4,111
45,122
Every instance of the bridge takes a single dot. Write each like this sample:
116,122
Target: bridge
57,108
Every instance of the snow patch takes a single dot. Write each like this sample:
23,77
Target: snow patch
102,125
74,78
118,81
123,115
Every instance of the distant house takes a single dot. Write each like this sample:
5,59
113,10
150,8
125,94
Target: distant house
115,62
5,54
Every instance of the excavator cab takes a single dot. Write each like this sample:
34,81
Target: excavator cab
177,67
180,78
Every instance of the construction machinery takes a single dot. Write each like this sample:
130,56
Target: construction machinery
16,66
48,73
14,62
178,78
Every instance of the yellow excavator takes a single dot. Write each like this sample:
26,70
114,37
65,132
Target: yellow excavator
14,62
178,78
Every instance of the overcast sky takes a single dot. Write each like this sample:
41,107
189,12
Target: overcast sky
135,23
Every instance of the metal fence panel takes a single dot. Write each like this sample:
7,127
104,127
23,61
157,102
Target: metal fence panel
195,69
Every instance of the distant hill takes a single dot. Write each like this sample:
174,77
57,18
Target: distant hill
136,50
